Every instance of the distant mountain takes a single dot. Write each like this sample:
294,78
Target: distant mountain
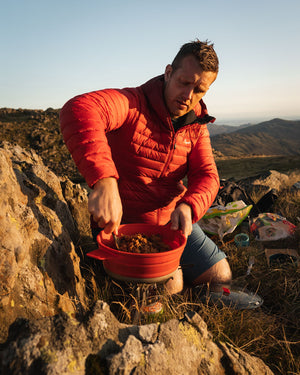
215,129
274,137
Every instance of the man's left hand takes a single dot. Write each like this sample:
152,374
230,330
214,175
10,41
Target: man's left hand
181,218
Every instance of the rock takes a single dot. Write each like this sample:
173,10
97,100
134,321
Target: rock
97,345
39,267
126,361
146,333
77,199
240,363
264,182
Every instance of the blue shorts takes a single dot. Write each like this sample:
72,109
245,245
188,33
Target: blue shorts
200,254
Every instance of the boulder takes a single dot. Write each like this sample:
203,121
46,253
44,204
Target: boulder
39,268
265,182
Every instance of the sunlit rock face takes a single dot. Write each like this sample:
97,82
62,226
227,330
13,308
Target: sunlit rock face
39,269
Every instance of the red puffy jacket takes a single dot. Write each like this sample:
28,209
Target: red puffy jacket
128,134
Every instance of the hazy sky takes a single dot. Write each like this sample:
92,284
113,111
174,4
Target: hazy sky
54,50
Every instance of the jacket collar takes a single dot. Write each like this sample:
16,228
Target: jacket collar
191,118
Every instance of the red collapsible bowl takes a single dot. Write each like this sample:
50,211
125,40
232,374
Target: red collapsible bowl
146,268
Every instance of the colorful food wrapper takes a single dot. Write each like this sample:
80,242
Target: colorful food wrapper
271,227
222,220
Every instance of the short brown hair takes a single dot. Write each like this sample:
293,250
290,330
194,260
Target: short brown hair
202,51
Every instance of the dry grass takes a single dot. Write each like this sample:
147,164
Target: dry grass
271,332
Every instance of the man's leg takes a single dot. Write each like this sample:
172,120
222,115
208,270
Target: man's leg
217,276
203,262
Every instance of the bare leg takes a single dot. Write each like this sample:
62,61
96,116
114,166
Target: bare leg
217,276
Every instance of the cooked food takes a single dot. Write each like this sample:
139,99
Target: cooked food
142,244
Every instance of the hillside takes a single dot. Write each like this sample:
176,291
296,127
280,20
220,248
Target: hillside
215,129
39,130
274,137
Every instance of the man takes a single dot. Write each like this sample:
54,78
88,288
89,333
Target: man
135,145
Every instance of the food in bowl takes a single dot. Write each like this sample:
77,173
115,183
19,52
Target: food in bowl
142,244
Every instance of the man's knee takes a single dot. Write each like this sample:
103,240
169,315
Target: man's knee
223,271
219,273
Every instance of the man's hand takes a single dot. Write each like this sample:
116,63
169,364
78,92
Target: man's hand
181,218
105,205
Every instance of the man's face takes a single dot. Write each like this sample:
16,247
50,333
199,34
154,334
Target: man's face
185,86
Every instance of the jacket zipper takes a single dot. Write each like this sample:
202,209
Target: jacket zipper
172,148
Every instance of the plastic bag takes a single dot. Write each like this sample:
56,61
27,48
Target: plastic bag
271,227
221,220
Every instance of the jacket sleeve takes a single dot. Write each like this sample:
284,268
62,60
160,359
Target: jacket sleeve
203,178
84,122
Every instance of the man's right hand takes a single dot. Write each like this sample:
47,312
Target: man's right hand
105,205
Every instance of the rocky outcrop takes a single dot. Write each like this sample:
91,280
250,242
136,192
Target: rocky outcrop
39,267
39,130
45,324
265,182
100,344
